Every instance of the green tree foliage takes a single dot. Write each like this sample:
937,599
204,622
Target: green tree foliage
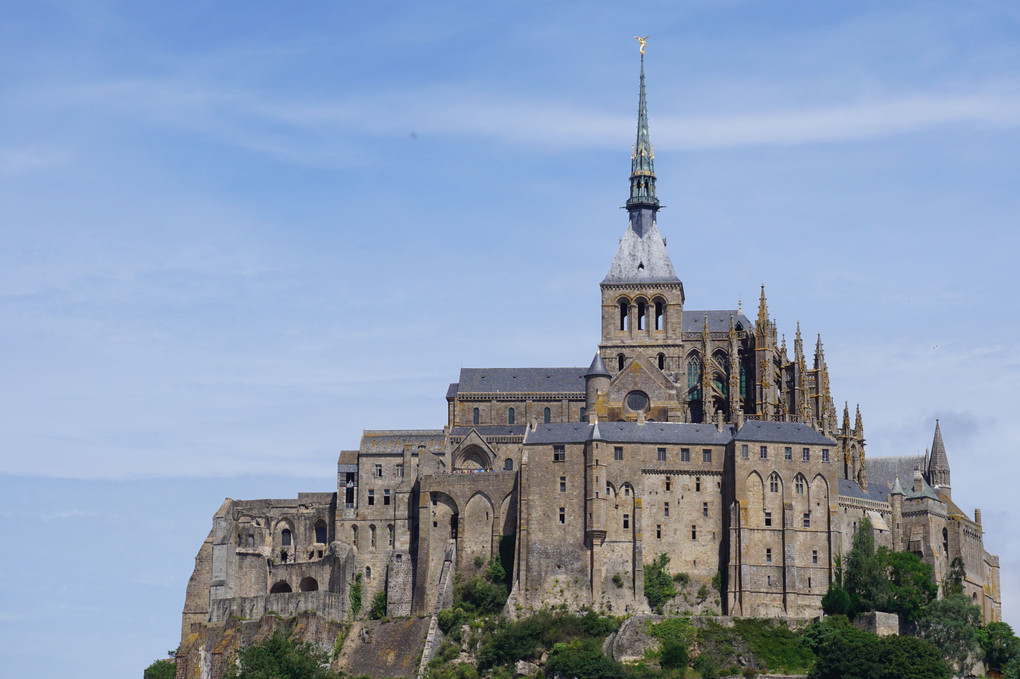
161,669
836,601
675,636
584,659
355,596
911,658
910,583
863,576
845,652
999,644
378,609
951,625
280,657
659,587
479,596
525,639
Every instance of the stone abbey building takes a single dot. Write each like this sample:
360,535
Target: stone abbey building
692,433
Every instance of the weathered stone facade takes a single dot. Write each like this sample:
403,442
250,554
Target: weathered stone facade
693,433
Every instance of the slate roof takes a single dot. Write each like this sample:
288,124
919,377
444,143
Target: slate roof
562,432
393,441
781,432
664,432
641,256
718,320
517,380
630,432
884,471
491,430
877,492
938,459
597,367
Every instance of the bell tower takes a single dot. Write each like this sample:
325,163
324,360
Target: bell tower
642,298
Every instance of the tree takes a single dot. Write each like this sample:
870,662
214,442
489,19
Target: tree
951,625
161,669
999,644
836,601
378,609
910,583
843,651
864,578
658,584
280,657
911,658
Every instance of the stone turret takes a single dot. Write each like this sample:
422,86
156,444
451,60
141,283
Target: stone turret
595,380
938,465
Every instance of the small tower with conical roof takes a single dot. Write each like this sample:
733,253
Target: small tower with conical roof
596,381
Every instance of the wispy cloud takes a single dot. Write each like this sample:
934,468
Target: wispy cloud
323,132
18,161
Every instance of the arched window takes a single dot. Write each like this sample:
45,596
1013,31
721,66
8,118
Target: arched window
694,378
624,314
371,536
368,572
584,414
389,535
285,537
309,584
320,531
619,362
662,361
642,310
660,314
508,465
774,482
798,484
547,415
474,416
945,542
354,535
280,588
721,377
511,416
743,380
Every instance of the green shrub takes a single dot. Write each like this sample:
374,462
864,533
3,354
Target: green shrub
479,596
378,609
659,587
479,561
524,639
618,580
496,572
706,667
681,579
279,656
582,658
836,601
774,645
161,669
355,595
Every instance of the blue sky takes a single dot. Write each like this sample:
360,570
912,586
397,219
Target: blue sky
235,235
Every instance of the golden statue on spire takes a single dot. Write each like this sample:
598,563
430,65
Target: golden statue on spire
642,41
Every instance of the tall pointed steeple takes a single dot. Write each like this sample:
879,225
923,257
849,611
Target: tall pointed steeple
642,160
641,256
938,463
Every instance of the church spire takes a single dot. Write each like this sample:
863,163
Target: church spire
642,161
641,256
938,463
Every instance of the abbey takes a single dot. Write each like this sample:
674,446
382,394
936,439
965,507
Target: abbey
693,433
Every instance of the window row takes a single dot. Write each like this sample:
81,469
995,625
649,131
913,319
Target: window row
398,470
806,519
511,415
386,497
371,536
645,313
763,453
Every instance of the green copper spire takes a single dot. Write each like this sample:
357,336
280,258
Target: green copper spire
642,162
